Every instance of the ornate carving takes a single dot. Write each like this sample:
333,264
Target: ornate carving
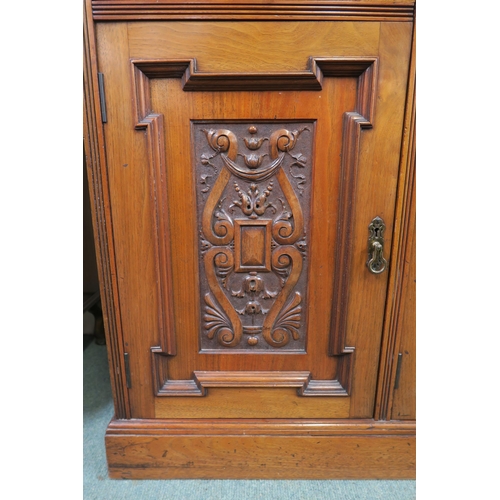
289,317
254,285
253,160
216,320
252,245
255,203
262,233
253,143
253,174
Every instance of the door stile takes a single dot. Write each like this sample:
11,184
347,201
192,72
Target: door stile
404,219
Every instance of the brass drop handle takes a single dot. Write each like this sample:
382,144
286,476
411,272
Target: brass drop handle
376,262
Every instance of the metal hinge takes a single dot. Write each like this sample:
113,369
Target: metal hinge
398,370
127,370
102,97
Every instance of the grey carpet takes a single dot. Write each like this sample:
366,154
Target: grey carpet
97,412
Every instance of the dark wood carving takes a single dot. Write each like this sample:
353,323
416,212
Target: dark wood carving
253,194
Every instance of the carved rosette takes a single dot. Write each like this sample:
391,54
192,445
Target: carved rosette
253,196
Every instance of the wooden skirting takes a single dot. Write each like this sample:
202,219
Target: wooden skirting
261,449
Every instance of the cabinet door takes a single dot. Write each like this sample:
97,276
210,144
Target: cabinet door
246,162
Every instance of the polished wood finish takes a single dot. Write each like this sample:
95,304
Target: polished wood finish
246,402
364,69
165,80
309,79
403,402
253,246
95,161
352,10
404,396
256,449
399,304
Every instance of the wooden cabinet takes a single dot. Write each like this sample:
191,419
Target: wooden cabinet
252,171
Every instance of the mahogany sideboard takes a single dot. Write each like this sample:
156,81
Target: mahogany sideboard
252,176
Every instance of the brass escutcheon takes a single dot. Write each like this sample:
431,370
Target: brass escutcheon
376,262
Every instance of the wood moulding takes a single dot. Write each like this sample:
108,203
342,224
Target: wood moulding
202,380
309,79
276,426
101,219
366,70
347,10
258,448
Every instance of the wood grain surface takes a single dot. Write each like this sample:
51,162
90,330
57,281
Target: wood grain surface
358,10
278,450
347,68
153,189
399,304
95,161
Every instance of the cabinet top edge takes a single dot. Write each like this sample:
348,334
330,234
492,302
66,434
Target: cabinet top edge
278,10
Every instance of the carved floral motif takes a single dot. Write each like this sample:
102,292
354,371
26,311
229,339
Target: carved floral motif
253,203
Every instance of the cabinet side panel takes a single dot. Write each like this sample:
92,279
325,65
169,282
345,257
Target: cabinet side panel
404,402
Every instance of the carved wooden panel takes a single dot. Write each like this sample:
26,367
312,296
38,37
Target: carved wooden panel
253,205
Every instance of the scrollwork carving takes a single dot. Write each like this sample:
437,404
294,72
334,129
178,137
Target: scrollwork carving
220,260
221,233
238,235
289,258
222,141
